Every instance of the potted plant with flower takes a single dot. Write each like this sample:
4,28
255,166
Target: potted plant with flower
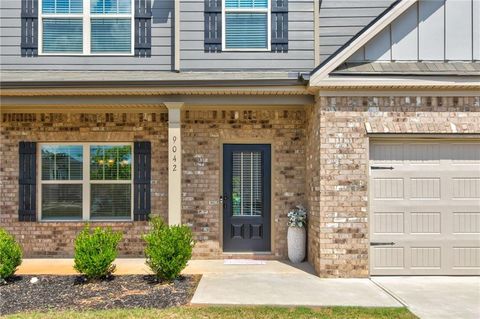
297,235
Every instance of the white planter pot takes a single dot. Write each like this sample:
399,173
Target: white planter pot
296,239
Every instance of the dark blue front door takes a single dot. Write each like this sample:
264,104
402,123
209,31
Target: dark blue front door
246,197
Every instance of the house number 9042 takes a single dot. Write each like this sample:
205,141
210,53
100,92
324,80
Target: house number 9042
174,151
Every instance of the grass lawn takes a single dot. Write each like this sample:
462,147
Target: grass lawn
230,313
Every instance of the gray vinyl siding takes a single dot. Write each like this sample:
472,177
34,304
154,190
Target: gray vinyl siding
430,30
300,55
340,20
161,58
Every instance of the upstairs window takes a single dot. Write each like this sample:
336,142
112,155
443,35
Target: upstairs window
246,25
88,27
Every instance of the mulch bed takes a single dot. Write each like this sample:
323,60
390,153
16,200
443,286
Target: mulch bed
73,293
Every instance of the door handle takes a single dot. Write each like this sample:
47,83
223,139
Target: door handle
223,200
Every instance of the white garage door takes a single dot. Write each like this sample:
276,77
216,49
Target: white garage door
425,208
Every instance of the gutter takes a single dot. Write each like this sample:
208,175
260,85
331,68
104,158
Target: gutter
153,84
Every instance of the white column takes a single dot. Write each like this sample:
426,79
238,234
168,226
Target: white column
174,163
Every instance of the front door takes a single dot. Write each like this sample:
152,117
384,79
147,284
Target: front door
246,197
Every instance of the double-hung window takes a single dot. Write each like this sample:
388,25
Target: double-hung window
86,27
246,25
85,181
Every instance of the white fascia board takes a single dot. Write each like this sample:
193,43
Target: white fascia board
468,82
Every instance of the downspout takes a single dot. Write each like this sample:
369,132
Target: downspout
316,31
176,26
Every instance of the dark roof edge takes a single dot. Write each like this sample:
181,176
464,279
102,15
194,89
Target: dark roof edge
153,83
408,73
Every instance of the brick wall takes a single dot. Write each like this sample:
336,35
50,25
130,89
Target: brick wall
42,239
203,132
344,121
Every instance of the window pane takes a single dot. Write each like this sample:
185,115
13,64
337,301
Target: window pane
62,6
62,35
244,4
61,201
62,162
111,35
247,184
110,6
108,162
246,31
110,201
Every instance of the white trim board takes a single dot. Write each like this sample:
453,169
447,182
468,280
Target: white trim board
399,93
398,82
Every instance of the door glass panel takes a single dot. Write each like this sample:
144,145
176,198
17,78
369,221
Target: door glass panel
247,184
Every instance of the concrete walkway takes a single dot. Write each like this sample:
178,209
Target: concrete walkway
278,283
436,297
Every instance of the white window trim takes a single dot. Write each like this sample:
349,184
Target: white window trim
267,10
85,182
86,17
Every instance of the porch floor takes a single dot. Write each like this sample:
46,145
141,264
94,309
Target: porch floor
136,266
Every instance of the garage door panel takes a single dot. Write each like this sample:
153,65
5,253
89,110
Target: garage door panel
425,199
466,257
389,222
425,222
388,188
465,187
466,222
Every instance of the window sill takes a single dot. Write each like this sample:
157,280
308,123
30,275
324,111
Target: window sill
246,50
125,220
87,55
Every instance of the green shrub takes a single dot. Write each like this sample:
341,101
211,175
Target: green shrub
10,255
95,252
168,249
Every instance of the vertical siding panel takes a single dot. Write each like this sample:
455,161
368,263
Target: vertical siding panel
458,21
404,35
431,30
378,49
476,30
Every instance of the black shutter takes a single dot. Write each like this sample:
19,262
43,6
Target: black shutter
141,180
213,25
27,182
29,19
280,25
143,28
